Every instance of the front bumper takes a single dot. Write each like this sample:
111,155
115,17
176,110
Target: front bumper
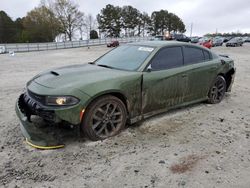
35,136
232,80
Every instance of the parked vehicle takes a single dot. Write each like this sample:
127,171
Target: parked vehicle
128,84
206,42
159,37
247,39
237,41
2,49
181,37
114,43
244,39
226,39
167,36
217,42
194,39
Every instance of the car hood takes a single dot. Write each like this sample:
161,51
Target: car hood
80,76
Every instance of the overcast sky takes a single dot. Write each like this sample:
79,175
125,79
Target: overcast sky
207,16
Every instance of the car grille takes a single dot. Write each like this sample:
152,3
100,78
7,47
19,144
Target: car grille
31,106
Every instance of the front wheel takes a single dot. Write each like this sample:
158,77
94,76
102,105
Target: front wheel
217,91
105,117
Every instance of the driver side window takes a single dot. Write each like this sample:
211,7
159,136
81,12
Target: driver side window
167,58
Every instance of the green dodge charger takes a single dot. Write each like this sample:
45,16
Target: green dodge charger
126,85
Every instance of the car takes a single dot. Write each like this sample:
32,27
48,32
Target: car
159,37
217,42
127,85
194,39
244,39
226,39
236,41
247,39
167,36
181,37
206,42
2,50
114,43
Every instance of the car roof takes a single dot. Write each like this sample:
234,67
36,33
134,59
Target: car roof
159,44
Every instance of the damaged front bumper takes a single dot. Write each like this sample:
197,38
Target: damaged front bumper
35,136
232,80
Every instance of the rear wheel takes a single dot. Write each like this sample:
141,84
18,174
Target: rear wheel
217,91
105,117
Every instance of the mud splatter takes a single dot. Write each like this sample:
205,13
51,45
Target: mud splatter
185,164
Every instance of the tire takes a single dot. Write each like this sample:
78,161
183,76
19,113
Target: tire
217,91
105,117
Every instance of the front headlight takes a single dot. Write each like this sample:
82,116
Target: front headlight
61,100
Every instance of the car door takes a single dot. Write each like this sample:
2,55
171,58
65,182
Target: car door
164,82
201,71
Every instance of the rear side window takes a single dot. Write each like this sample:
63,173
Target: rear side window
206,55
167,58
193,55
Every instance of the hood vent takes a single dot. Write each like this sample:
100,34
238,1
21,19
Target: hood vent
55,73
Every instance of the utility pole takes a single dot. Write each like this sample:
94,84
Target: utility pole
191,29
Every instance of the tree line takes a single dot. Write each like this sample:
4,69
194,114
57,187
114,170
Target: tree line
62,18
113,19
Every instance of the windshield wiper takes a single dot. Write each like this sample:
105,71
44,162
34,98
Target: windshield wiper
106,66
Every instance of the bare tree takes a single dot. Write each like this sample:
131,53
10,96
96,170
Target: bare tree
88,24
82,27
69,16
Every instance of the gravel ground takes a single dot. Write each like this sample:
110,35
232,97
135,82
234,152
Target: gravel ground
198,146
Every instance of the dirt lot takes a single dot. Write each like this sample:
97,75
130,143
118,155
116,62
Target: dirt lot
197,146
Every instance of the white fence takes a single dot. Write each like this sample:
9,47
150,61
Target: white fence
28,47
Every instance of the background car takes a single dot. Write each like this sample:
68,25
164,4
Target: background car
126,85
206,42
236,41
163,37
226,39
194,39
2,49
159,37
217,42
244,39
247,39
181,37
113,43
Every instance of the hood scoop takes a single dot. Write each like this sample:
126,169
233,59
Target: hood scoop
54,73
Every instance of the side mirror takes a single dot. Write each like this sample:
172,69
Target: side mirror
149,69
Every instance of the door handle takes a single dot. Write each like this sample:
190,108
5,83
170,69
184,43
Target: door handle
184,75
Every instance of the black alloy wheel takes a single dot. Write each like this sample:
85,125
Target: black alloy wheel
217,91
105,117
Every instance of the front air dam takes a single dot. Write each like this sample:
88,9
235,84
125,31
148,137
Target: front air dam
35,136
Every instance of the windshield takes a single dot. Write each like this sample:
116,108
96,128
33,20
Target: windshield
125,57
